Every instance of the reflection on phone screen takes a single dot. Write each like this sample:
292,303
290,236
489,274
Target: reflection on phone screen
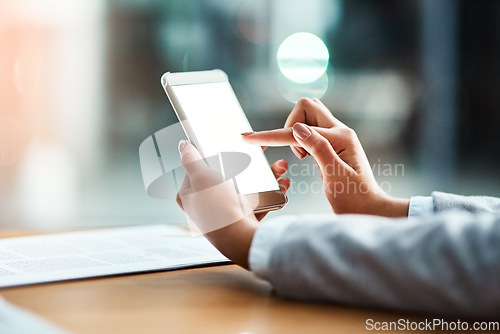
217,121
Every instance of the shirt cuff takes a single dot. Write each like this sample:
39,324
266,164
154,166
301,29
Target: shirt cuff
264,240
421,206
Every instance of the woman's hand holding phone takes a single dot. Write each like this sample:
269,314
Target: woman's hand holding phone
205,104
215,207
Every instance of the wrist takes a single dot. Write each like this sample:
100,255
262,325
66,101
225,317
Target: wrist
234,240
393,207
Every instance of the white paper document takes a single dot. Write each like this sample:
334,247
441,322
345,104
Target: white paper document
102,252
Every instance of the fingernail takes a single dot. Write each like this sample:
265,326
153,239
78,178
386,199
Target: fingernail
182,145
247,133
301,131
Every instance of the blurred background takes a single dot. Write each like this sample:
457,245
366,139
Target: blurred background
418,80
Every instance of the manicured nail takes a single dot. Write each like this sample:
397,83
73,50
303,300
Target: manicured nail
301,131
182,145
247,133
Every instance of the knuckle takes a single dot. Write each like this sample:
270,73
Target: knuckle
189,158
349,133
319,143
290,121
304,102
268,136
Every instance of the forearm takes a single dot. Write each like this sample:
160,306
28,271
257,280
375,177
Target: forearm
235,239
440,264
391,207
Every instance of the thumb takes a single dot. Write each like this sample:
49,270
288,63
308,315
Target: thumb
316,145
191,159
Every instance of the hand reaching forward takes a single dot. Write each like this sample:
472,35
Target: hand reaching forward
348,180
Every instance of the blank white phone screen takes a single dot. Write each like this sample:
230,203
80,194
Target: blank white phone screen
217,120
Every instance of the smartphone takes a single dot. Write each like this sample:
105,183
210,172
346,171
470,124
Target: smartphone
213,121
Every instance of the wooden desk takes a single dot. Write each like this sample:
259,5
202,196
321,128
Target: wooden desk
220,299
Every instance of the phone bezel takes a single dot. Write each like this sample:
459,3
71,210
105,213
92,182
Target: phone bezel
268,200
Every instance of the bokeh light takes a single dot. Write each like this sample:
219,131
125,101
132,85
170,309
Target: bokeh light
294,91
303,57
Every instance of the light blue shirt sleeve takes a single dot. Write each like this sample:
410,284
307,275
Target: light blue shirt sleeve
267,235
421,206
444,263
